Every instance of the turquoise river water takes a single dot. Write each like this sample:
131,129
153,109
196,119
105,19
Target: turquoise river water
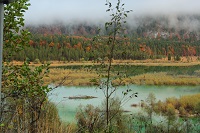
67,107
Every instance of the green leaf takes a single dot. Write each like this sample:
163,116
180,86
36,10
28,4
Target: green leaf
110,5
107,10
2,125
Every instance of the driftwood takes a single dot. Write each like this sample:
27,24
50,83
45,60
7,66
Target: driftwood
134,105
81,97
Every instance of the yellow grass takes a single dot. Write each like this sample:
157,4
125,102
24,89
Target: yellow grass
83,78
70,77
161,78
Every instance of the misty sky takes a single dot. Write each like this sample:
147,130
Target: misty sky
50,11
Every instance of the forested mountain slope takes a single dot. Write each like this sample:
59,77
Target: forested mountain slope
147,37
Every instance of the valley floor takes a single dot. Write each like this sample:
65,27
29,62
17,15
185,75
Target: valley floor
88,77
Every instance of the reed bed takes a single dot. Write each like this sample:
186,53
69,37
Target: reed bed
70,77
161,78
82,77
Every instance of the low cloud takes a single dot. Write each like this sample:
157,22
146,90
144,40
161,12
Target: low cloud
170,13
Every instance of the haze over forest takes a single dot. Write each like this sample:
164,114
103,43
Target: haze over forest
179,14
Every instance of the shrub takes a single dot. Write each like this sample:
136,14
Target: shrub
89,119
182,111
169,57
36,61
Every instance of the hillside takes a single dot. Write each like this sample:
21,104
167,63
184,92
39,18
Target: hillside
147,38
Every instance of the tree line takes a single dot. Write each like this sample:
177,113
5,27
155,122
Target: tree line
84,48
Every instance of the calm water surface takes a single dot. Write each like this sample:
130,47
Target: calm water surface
67,107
